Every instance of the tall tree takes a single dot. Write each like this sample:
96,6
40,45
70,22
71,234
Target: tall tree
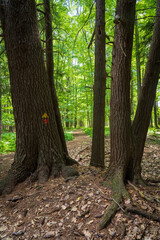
120,123
50,71
39,148
146,99
97,158
126,155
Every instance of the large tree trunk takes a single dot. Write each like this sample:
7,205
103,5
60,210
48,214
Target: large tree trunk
146,99
38,143
50,71
120,123
97,158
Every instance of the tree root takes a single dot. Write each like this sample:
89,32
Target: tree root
143,213
110,213
70,161
119,193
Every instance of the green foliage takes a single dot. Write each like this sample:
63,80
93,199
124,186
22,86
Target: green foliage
89,131
68,136
8,142
73,24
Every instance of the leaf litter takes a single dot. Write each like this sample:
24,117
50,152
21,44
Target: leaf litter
71,210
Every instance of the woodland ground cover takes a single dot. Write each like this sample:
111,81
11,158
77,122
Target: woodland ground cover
71,209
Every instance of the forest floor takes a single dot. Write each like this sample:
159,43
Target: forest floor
71,210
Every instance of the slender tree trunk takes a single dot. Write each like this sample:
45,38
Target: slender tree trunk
97,158
0,108
155,114
146,99
38,144
137,59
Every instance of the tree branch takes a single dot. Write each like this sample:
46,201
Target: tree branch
84,23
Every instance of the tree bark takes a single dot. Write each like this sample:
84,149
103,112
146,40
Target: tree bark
50,71
146,99
120,123
38,144
97,157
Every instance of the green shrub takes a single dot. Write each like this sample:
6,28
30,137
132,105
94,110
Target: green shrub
89,131
8,142
68,136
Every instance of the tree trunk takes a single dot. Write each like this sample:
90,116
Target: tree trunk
97,157
120,123
137,59
155,114
0,108
38,143
146,99
50,71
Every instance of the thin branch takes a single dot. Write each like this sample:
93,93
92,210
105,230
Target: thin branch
1,40
148,17
40,4
39,10
2,52
143,9
84,23
92,38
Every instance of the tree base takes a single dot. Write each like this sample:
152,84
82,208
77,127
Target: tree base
116,183
19,172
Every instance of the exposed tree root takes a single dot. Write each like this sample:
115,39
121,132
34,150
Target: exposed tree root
18,173
119,193
110,212
150,216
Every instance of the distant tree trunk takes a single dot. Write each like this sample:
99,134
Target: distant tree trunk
0,108
151,121
97,157
131,102
155,114
146,99
39,148
137,59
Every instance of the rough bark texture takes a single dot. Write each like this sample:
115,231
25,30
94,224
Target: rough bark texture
120,123
38,144
50,71
97,158
146,99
